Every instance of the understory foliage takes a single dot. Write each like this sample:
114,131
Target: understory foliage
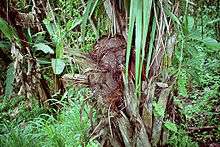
198,82
109,73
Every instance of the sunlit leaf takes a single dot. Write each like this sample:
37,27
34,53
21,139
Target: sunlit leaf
39,37
58,66
57,37
45,48
190,20
51,30
211,43
170,126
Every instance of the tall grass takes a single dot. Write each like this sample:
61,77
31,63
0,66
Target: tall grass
69,127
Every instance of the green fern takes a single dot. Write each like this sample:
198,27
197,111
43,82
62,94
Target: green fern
9,80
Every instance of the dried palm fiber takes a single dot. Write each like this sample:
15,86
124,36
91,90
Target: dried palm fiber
105,79
103,68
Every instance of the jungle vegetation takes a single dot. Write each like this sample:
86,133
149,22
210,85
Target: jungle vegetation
112,73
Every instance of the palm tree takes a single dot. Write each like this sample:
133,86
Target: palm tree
127,72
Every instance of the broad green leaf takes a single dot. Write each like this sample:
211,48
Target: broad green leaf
190,20
56,35
58,66
211,43
51,28
43,47
170,126
39,37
